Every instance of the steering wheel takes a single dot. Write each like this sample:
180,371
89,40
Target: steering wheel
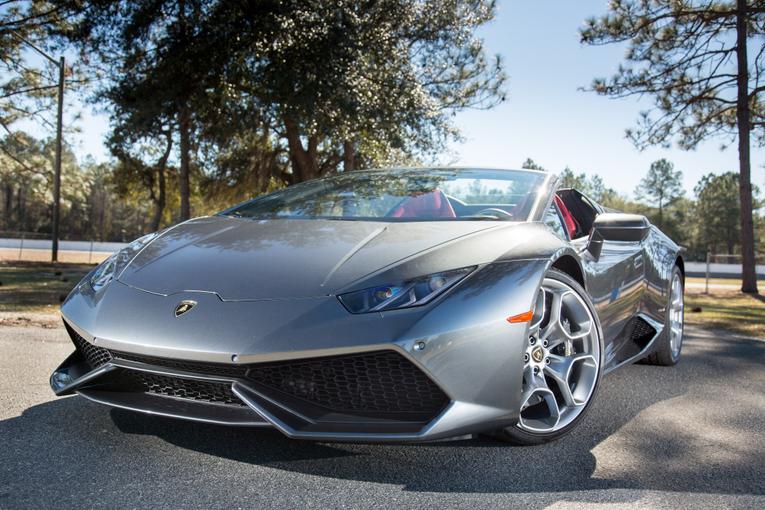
496,212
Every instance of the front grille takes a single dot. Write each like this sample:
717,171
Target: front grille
94,355
178,387
381,383
376,383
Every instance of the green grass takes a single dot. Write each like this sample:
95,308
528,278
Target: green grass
731,310
37,286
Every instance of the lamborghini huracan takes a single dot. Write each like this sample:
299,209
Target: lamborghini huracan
384,305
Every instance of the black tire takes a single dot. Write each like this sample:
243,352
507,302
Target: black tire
517,436
662,354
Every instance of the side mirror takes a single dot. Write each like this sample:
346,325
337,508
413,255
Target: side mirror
628,228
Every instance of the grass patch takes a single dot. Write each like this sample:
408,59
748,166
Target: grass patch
724,281
37,286
727,309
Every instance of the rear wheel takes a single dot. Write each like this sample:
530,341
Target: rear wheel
670,344
562,362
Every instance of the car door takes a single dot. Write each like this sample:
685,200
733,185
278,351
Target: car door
615,279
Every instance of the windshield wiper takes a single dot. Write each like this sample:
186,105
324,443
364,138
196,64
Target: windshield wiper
483,217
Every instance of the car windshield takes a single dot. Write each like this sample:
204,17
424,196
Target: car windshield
404,195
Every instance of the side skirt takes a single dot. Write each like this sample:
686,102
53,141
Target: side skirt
639,343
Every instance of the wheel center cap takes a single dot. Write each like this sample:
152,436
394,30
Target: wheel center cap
538,354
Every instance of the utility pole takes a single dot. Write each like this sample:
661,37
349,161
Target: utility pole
60,63
57,169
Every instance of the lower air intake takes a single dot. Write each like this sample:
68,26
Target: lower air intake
641,332
94,355
178,387
379,383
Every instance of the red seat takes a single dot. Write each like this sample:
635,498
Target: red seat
568,219
432,204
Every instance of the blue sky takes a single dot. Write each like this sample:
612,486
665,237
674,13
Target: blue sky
545,116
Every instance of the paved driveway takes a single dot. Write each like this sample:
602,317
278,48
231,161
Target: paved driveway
691,436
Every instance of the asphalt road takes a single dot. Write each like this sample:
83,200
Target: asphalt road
691,436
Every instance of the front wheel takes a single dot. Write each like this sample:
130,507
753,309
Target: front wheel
562,362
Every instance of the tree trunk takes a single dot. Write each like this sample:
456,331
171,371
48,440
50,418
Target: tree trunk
102,218
749,276
661,215
159,204
349,156
161,198
305,165
183,179
8,205
21,208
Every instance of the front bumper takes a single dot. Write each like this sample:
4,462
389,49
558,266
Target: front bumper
300,408
346,387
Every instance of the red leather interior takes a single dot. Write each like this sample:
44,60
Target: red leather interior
433,204
568,219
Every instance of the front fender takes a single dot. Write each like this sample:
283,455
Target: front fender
469,347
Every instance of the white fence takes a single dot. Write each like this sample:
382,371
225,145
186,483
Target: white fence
729,268
719,270
34,248
45,244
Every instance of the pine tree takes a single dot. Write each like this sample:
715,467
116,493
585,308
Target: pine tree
692,57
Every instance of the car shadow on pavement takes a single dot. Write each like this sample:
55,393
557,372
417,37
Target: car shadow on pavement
650,428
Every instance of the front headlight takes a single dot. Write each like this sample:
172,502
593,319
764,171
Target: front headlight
415,292
113,266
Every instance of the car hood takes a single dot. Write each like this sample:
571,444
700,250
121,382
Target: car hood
243,259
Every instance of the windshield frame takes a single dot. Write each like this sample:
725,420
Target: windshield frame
543,193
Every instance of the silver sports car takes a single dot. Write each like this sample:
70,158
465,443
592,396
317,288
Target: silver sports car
385,305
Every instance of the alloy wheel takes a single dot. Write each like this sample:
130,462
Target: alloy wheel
561,361
676,311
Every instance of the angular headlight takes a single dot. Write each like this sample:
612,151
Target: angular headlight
113,266
416,292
